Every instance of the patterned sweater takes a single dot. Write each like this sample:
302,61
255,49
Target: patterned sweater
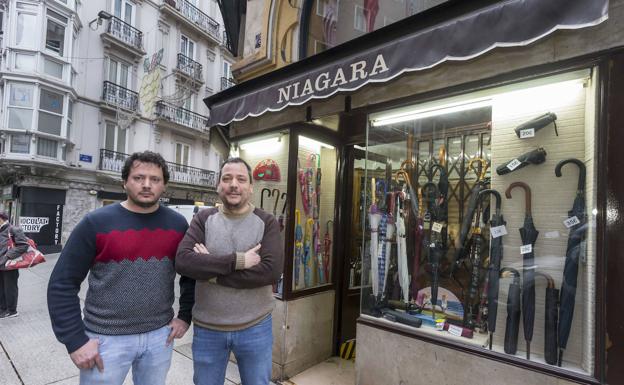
228,297
130,261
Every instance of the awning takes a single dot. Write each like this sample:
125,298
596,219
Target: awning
502,24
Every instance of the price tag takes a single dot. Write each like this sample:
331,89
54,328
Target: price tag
437,227
525,249
455,330
498,231
514,164
572,221
551,234
527,133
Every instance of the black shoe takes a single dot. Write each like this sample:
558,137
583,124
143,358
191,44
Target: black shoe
4,314
9,314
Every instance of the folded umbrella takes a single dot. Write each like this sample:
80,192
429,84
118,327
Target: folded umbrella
536,156
307,259
298,246
496,257
374,219
512,325
576,246
550,319
404,279
529,234
419,233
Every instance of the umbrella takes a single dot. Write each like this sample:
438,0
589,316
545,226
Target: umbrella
275,193
537,156
385,246
303,186
404,279
282,216
317,232
496,256
529,234
262,196
307,253
298,246
419,233
480,184
326,250
573,251
374,219
512,325
550,319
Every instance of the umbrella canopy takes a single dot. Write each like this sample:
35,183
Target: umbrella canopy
496,256
529,234
298,246
512,325
374,219
578,232
326,251
550,319
419,235
404,279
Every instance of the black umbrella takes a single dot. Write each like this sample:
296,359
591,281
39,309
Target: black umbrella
537,156
550,319
496,256
512,325
529,234
463,241
573,251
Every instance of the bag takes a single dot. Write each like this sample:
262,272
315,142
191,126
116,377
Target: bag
30,258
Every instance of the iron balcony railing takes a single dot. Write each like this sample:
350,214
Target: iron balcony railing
224,40
120,97
196,16
125,33
226,83
190,67
179,173
180,115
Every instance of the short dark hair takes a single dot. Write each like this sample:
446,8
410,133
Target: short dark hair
4,216
145,157
236,160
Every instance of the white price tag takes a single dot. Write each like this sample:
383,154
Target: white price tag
527,133
437,227
455,330
525,249
571,222
498,231
551,234
514,164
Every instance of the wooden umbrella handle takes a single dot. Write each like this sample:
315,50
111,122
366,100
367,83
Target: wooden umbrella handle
527,194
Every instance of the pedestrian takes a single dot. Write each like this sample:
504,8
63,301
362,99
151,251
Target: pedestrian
8,278
235,254
128,251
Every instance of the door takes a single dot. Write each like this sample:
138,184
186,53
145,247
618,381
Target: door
124,10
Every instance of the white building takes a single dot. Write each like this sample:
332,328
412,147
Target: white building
84,83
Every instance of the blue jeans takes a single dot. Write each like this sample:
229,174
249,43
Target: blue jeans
252,347
147,354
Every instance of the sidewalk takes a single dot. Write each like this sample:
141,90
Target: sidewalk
30,354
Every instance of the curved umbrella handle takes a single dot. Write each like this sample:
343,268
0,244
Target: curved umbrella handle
497,197
510,271
327,226
484,167
411,165
527,194
581,166
275,193
262,196
283,197
549,279
298,216
432,171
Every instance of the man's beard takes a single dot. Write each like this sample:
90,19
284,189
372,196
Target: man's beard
143,204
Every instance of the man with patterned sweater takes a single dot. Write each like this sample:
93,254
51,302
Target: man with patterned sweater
235,254
128,250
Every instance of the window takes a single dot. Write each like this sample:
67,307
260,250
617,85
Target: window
182,153
115,138
53,68
47,147
24,36
50,112
25,62
70,117
359,22
55,32
118,73
20,144
321,8
227,70
21,106
124,10
319,46
187,47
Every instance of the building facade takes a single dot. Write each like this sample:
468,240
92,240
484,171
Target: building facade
85,83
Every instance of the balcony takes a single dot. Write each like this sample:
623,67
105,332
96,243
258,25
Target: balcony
192,17
190,68
115,96
124,36
166,112
113,161
227,83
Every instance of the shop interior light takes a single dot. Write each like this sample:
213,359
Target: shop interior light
262,146
415,114
312,144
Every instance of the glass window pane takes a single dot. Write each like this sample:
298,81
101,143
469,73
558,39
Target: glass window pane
121,140
24,62
186,155
20,144
178,154
53,68
24,37
57,16
20,118
109,140
47,147
50,123
51,101
21,95
118,8
55,37
128,14
123,76
112,71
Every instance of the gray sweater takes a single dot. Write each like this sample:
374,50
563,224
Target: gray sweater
227,296
19,239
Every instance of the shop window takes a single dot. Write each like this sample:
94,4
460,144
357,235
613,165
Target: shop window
21,106
452,261
50,112
20,144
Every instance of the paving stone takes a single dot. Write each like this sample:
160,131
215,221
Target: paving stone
7,374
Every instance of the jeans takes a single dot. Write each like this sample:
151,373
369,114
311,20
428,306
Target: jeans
8,290
252,347
147,354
